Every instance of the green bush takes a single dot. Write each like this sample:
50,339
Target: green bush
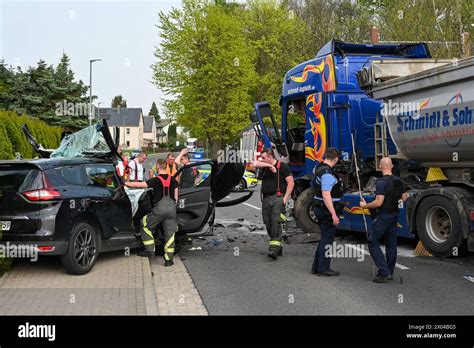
12,139
4,263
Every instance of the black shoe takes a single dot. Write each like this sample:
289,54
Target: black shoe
314,272
381,279
144,253
280,253
329,273
272,254
169,263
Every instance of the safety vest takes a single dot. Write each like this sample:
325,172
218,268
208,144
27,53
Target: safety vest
337,190
170,172
393,193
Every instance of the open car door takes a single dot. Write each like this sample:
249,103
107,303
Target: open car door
274,141
197,203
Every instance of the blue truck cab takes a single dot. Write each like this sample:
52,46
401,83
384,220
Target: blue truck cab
323,106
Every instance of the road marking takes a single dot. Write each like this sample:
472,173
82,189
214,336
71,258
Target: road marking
250,205
367,253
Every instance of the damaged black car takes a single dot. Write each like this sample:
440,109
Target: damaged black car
71,203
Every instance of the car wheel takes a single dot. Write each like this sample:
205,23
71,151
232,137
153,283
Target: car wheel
438,225
82,251
304,212
241,186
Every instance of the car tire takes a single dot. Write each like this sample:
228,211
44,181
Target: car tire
439,226
304,213
82,251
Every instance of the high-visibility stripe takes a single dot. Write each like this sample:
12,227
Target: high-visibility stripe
148,242
147,231
275,242
167,257
283,217
170,241
169,250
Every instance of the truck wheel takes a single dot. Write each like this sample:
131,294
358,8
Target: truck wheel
82,250
439,226
304,212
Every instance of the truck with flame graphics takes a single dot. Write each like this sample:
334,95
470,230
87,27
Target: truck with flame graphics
394,100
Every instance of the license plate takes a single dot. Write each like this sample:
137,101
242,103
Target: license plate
5,225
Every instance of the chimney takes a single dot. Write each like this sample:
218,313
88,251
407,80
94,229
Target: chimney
118,109
374,35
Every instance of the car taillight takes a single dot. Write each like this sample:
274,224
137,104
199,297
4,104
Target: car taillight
42,195
45,248
471,217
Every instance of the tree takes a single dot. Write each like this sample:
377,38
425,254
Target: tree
204,62
154,112
117,101
279,39
43,91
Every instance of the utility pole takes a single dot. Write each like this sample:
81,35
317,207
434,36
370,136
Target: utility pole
90,88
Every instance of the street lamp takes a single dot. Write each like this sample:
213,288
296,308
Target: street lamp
90,88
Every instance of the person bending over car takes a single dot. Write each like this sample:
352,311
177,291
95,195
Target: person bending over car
165,194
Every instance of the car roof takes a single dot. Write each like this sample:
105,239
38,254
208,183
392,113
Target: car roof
46,163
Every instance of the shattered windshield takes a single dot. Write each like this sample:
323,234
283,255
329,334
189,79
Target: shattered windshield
87,142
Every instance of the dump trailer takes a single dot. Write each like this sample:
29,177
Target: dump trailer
393,100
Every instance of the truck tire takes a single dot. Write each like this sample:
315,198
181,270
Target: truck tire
439,226
304,213
82,251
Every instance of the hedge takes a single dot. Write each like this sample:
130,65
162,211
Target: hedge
12,139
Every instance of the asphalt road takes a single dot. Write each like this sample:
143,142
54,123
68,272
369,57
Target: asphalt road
235,277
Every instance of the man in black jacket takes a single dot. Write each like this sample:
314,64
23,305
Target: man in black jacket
389,194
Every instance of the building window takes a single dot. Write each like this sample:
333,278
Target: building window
128,143
128,131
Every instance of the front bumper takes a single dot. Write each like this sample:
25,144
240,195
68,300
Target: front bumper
251,182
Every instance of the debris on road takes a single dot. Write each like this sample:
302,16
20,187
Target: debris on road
216,242
302,238
469,277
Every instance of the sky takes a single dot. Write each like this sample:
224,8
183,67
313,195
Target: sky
121,33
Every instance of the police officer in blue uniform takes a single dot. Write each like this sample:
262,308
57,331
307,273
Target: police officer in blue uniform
389,190
329,190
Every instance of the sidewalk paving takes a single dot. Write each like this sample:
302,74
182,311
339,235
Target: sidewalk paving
117,285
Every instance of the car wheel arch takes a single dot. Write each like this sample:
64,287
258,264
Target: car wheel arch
94,222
